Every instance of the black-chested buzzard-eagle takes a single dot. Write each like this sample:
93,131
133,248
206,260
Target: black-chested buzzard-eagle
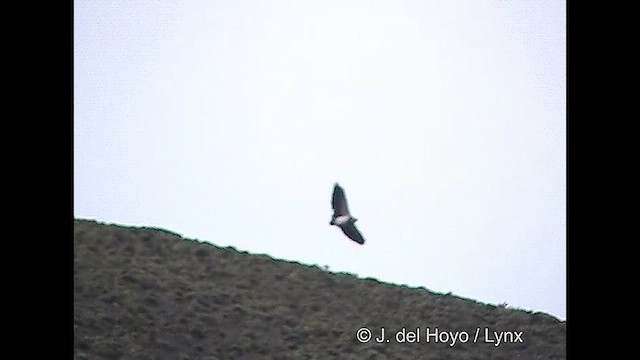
341,216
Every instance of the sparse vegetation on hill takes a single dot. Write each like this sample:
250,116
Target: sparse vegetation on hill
142,293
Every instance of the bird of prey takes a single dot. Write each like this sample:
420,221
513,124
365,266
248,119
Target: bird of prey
341,216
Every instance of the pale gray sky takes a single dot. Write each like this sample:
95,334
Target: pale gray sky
230,121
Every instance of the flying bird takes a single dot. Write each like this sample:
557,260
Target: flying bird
341,216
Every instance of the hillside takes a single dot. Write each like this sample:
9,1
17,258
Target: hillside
142,293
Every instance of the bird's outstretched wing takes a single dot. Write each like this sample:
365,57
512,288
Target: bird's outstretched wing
339,201
352,232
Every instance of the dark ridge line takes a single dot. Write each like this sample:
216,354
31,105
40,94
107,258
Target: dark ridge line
318,267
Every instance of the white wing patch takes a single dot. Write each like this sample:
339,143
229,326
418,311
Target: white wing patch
339,220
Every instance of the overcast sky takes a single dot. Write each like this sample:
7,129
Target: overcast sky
230,121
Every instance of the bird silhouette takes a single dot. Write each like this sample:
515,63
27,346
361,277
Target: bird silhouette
341,216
